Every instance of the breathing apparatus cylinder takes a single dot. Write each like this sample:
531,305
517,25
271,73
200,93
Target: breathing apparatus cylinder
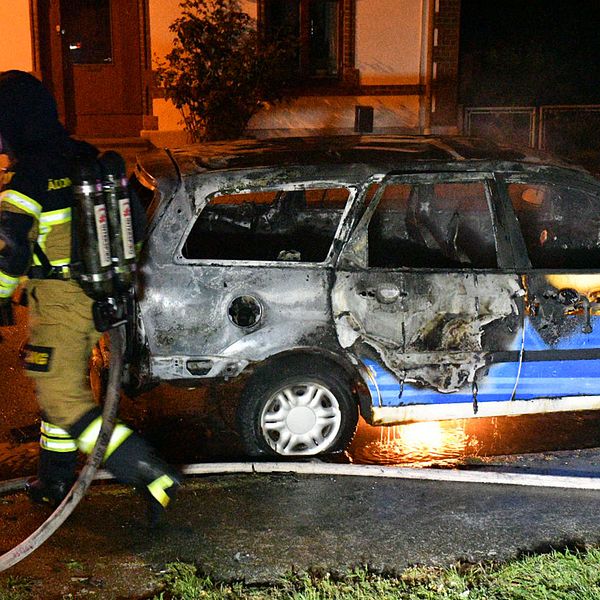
95,273
118,206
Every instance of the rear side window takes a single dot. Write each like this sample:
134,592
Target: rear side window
432,225
297,226
560,225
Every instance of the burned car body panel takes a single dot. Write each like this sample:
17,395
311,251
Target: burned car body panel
430,337
191,305
415,262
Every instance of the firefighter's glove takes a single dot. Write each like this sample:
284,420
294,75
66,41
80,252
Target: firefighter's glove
7,317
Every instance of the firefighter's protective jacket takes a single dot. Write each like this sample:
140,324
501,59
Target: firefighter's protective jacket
36,206
36,199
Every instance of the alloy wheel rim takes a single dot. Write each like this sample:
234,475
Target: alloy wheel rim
301,420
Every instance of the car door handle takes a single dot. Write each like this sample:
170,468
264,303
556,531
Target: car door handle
387,293
384,293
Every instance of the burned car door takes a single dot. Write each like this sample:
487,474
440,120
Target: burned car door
560,223
426,301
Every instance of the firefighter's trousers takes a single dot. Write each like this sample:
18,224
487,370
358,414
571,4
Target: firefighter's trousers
61,338
62,335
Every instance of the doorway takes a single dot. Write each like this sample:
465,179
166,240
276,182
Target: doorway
94,56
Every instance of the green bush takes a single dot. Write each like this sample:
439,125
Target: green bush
220,71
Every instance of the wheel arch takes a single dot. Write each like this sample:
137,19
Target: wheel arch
351,372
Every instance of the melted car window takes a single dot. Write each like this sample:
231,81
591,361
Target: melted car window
432,225
297,225
560,225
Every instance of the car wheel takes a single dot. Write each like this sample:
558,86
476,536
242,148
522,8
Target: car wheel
296,410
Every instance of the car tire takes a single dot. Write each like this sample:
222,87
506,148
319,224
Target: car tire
296,410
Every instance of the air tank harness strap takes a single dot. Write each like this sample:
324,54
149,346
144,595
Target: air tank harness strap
46,270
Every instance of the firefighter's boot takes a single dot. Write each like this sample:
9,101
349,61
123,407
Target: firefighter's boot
132,461
57,466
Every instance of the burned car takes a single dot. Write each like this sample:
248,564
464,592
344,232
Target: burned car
403,278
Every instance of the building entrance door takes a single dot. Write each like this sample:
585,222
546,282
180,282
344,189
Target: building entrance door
96,64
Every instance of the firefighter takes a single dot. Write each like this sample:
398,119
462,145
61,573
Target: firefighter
36,211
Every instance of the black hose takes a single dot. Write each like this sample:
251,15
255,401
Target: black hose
67,506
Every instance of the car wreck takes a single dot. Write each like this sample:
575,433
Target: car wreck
405,278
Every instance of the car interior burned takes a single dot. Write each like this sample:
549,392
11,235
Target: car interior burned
435,225
296,225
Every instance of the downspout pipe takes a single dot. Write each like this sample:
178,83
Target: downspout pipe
426,68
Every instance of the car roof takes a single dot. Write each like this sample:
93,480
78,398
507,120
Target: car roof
383,152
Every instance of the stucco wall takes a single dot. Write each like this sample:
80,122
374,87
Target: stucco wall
335,114
15,35
388,41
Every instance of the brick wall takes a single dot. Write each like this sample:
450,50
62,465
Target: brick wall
349,71
446,29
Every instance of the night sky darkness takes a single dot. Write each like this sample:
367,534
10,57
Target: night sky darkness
529,52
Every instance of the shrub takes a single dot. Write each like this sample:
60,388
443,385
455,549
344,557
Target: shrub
220,71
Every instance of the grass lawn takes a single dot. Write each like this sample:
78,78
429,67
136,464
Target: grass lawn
568,575
565,575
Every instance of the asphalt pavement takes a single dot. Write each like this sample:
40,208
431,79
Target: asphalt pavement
260,527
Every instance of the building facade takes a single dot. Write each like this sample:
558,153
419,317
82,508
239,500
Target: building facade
373,65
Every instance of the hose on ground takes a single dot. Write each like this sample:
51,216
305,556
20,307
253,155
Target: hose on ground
67,506
12,485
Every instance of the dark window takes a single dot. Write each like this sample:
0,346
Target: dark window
87,29
296,226
431,225
315,25
560,225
